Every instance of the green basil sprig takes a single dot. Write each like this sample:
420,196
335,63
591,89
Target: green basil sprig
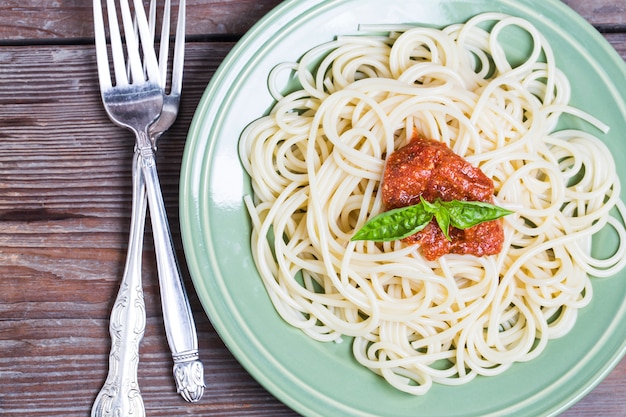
402,222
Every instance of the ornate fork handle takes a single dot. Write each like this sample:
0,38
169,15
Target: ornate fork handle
120,395
177,315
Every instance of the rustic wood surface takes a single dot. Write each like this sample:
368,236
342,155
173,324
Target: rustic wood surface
64,217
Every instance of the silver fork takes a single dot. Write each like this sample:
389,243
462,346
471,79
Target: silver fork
135,104
177,314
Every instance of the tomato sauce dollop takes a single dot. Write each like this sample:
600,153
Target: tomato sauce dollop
430,169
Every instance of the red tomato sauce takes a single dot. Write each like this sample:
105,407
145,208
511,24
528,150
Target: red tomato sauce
430,169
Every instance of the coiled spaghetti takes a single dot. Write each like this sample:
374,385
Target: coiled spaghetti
316,162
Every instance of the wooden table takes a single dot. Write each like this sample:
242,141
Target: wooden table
64,217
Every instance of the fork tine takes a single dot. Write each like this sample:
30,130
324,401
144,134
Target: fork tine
179,46
147,41
151,25
102,59
132,43
179,50
119,67
165,42
152,17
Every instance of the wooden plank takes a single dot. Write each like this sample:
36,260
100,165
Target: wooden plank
608,15
69,19
92,153
618,41
56,369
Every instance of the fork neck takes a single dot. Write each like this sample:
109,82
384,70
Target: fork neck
143,144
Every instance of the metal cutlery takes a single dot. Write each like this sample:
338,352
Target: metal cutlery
177,314
135,102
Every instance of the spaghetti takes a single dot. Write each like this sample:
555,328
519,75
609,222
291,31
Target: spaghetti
316,164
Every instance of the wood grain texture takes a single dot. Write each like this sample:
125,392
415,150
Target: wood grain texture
606,15
64,207
45,20
64,217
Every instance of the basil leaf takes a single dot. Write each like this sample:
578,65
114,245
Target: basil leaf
402,222
443,220
430,207
395,224
441,215
466,214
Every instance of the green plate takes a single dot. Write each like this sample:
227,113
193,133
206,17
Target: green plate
322,379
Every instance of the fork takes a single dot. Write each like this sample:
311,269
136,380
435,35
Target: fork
177,314
134,103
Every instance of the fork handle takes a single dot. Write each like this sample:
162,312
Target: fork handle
177,315
120,395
